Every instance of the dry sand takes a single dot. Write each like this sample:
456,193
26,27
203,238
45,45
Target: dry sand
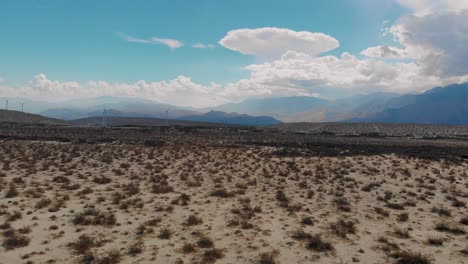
90,203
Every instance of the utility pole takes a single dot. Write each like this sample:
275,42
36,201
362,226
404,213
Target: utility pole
167,117
104,118
6,106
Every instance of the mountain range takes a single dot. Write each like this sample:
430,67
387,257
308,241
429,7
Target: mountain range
440,105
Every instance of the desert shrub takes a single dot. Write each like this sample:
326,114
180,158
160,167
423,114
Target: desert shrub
441,211
464,220
435,241
316,243
344,227
102,180
406,257
213,254
268,258
43,203
382,211
165,233
136,248
449,228
402,232
12,191
300,235
193,220
205,242
14,240
403,217
84,244
281,196
307,221
161,188
188,248
94,217
222,193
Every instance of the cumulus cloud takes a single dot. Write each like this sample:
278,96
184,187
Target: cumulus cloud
437,41
171,43
425,7
271,43
298,73
434,36
180,91
386,52
203,46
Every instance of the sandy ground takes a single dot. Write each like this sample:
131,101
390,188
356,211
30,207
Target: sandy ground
98,203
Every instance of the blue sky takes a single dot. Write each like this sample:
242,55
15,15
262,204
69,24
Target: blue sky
76,40
62,48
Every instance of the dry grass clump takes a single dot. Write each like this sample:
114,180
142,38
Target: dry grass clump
161,188
12,191
44,202
342,204
401,232
343,227
165,233
441,211
435,241
316,243
12,239
307,221
464,220
449,228
212,254
193,220
109,257
136,248
205,242
221,193
407,257
94,217
268,258
403,217
84,244
188,248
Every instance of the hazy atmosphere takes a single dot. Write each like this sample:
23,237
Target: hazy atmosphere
207,53
234,131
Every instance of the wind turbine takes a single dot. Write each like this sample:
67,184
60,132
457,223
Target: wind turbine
22,106
104,117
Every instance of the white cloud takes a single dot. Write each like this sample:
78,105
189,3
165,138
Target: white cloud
271,43
433,46
298,73
425,7
171,43
436,41
180,91
387,52
203,46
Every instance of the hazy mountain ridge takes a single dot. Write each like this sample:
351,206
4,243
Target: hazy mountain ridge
27,118
440,105
232,118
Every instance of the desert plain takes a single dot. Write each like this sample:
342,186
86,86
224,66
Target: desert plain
91,195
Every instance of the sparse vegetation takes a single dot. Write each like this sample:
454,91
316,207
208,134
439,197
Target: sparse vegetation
210,195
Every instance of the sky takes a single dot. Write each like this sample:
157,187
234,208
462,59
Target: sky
202,53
